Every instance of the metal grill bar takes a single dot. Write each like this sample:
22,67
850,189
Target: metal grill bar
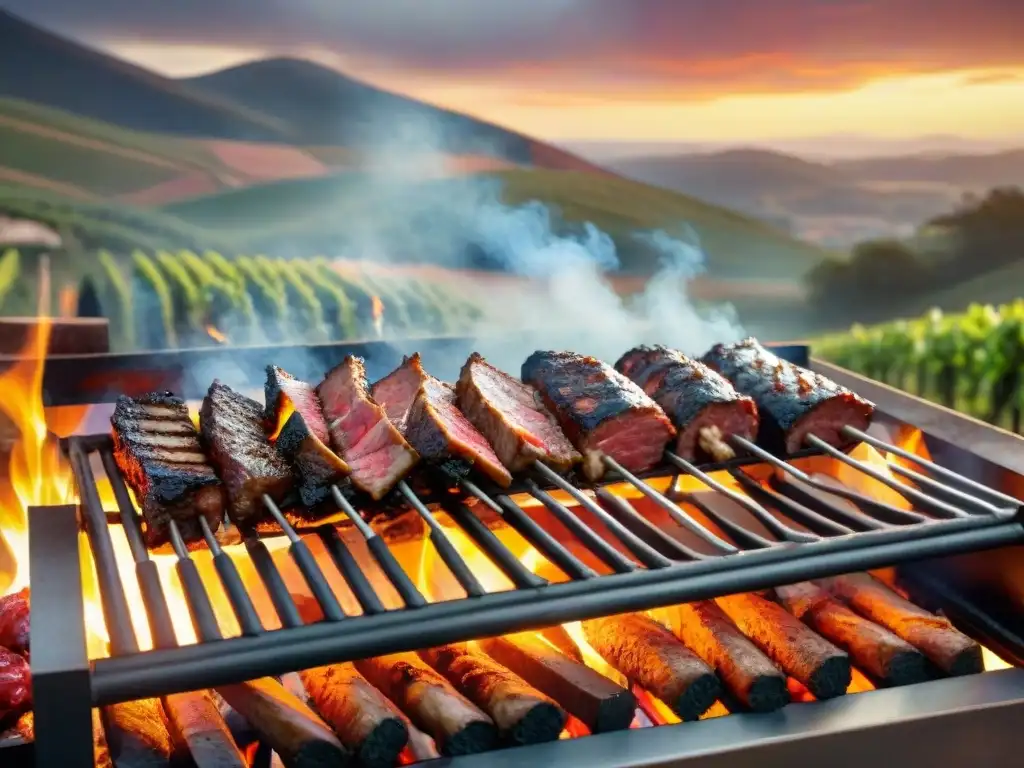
664,569
1007,502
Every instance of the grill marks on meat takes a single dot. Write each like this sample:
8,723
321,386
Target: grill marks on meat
293,414
512,417
695,397
232,430
793,401
377,453
600,410
396,392
157,449
432,423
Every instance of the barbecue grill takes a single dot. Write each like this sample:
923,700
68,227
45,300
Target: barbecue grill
950,525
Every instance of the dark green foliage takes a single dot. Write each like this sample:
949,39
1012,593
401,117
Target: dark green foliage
306,321
116,301
89,303
152,304
268,304
338,310
10,272
186,298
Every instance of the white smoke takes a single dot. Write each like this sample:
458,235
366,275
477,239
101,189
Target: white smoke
409,206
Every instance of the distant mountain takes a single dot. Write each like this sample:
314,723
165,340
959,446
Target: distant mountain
324,107
833,203
973,171
41,67
284,101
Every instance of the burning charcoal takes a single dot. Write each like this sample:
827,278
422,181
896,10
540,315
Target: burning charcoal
457,725
935,636
158,451
15,683
592,698
793,401
875,650
523,714
197,728
750,677
14,621
600,411
232,429
562,640
702,404
801,653
285,724
296,424
364,720
136,733
648,654
375,449
433,424
511,416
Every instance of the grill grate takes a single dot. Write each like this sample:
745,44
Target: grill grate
658,570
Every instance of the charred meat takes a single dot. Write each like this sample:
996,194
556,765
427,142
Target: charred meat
157,449
511,416
294,420
232,429
793,401
600,410
703,405
433,424
377,453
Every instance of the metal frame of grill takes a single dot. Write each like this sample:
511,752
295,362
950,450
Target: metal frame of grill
957,515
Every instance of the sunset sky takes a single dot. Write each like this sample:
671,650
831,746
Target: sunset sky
636,70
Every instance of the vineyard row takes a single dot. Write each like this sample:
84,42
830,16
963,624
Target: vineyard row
168,300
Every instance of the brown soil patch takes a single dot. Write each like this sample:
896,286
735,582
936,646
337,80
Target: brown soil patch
181,188
265,162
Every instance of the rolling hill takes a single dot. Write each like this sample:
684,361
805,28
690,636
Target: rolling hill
835,204
45,68
324,214
323,107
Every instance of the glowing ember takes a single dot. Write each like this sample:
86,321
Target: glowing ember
216,334
286,409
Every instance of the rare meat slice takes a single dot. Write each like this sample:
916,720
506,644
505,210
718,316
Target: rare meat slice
439,431
702,404
232,430
512,417
377,453
396,391
157,449
793,402
295,423
601,411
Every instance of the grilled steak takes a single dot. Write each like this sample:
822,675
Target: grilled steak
157,449
377,453
511,416
702,404
600,410
793,402
433,424
232,429
396,391
296,424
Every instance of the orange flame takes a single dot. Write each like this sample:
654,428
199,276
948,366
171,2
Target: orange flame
377,308
216,334
36,474
285,408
